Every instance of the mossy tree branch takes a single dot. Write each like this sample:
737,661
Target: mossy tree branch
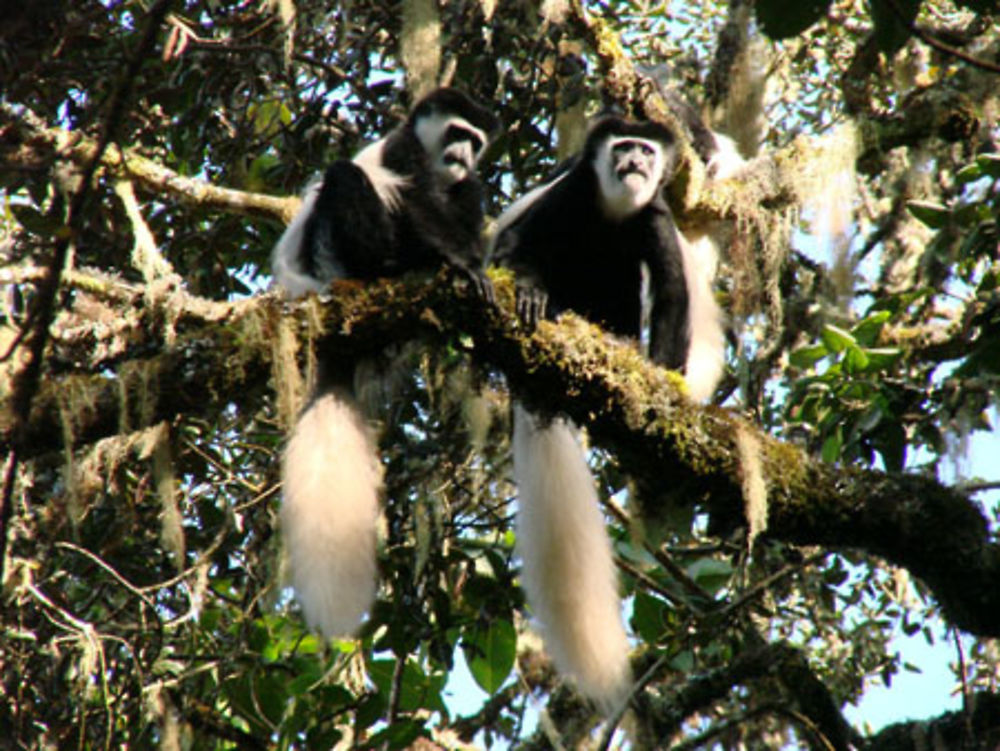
633,408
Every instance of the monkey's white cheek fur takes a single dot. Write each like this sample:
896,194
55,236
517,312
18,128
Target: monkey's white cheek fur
569,572
331,479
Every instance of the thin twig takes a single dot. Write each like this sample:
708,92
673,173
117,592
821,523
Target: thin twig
137,591
396,691
650,583
664,559
967,707
768,581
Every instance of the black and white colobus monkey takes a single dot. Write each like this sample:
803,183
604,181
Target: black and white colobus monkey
409,201
598,239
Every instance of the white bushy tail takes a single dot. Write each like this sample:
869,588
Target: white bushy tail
331,477
706,358
569,572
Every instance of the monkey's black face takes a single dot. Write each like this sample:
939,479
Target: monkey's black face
633,158
452,143
629,171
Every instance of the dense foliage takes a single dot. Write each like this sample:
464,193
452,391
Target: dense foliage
148,378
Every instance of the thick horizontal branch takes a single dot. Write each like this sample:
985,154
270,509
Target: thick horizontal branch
631,407
28,143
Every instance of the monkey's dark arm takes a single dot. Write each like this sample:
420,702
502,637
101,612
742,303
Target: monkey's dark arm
515,251
668,336
474,272
450,230
349,231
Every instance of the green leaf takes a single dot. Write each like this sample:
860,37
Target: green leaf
969,173
869,420
882,358
832,446
490,653
323,737
259,697
933,215
711,573
683,662
417,690
867,331
806,357
893,20
836,339
268,115
370,710
989,163
36,222
401,734
855,360
260,170
780,19
971,214
648,617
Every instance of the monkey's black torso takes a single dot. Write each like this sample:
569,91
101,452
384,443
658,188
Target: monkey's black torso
592,265
352,233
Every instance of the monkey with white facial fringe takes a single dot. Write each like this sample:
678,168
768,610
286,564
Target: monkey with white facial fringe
410,201
600,239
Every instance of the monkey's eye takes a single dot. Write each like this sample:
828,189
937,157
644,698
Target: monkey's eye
645,149
623,149
456,133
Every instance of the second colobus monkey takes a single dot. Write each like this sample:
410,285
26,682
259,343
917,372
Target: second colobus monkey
409,201
599,239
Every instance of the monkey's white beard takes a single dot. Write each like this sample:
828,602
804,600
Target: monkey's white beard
331,477
706,358
569,572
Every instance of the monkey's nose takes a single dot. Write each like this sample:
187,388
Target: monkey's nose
631,167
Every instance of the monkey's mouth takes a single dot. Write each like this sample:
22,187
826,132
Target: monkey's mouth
456,160
627,170
633,177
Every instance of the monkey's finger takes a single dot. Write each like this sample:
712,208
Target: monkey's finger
536,308
484,286
524,307
541,306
